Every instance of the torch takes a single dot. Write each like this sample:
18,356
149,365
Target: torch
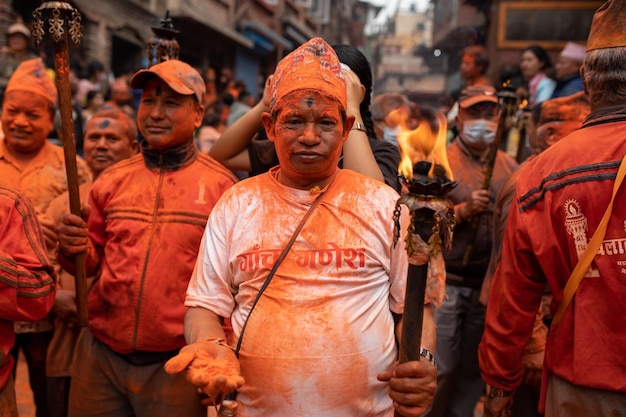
54,21
507,103
432,221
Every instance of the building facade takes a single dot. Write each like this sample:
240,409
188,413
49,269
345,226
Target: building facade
246,36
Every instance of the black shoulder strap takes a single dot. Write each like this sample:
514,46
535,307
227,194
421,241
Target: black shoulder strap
280,259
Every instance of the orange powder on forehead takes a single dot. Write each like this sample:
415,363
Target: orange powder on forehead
314,65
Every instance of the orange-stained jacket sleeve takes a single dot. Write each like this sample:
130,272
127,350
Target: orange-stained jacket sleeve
26,274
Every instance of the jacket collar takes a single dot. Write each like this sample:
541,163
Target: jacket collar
605,115
170,159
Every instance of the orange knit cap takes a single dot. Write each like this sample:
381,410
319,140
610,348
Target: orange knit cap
31,76
313,66
608,28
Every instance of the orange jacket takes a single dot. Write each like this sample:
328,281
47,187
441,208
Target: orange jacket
561,197
26,274
145,227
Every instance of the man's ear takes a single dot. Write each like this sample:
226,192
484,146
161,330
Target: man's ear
268,123
199,116
348,123
552,136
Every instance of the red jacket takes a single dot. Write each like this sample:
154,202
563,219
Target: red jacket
26,274
145,226
560,199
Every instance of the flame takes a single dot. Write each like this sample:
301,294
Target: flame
523,104
425,142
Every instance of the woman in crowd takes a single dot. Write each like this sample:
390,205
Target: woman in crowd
534,63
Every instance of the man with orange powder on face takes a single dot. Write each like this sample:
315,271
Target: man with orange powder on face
110,137
141,239
35,167
320,340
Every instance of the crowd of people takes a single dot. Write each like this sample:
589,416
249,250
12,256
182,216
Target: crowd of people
254,248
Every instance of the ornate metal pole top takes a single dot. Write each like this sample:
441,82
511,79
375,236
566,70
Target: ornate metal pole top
163,46
54,20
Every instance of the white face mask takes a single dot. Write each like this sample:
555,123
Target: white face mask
479,134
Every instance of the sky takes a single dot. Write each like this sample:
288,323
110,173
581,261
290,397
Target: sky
389,9
404,4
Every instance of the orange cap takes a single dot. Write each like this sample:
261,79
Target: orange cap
178,75
477,94
608,28
31,75
313,66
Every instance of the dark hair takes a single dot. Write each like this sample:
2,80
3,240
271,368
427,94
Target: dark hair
244,94
358,63
541,55
91,94
93,67
211,118
481,58
228,99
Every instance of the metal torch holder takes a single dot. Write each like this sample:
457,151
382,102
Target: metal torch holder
432,221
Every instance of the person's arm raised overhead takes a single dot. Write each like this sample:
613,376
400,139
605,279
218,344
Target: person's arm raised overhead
357,152
231,148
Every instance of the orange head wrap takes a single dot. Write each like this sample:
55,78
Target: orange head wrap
573,108
31,76
569,112
313,66
608,28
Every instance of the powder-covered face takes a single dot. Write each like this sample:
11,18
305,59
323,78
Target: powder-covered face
106,142
26,121
166,118
308,133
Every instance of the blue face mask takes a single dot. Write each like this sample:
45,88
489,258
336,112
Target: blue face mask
478,134
391,135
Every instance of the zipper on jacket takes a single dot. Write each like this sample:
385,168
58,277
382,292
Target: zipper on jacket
148,250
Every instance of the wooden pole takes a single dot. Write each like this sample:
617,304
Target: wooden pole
53,24
432,216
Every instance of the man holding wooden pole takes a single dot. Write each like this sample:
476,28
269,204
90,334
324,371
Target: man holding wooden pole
36,167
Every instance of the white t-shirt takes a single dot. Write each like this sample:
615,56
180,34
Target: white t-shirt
323,329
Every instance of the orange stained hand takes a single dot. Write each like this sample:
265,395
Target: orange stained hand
412,386
355,90
498,407
65,306
72,233
478,203
532,367
267,92
212,367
